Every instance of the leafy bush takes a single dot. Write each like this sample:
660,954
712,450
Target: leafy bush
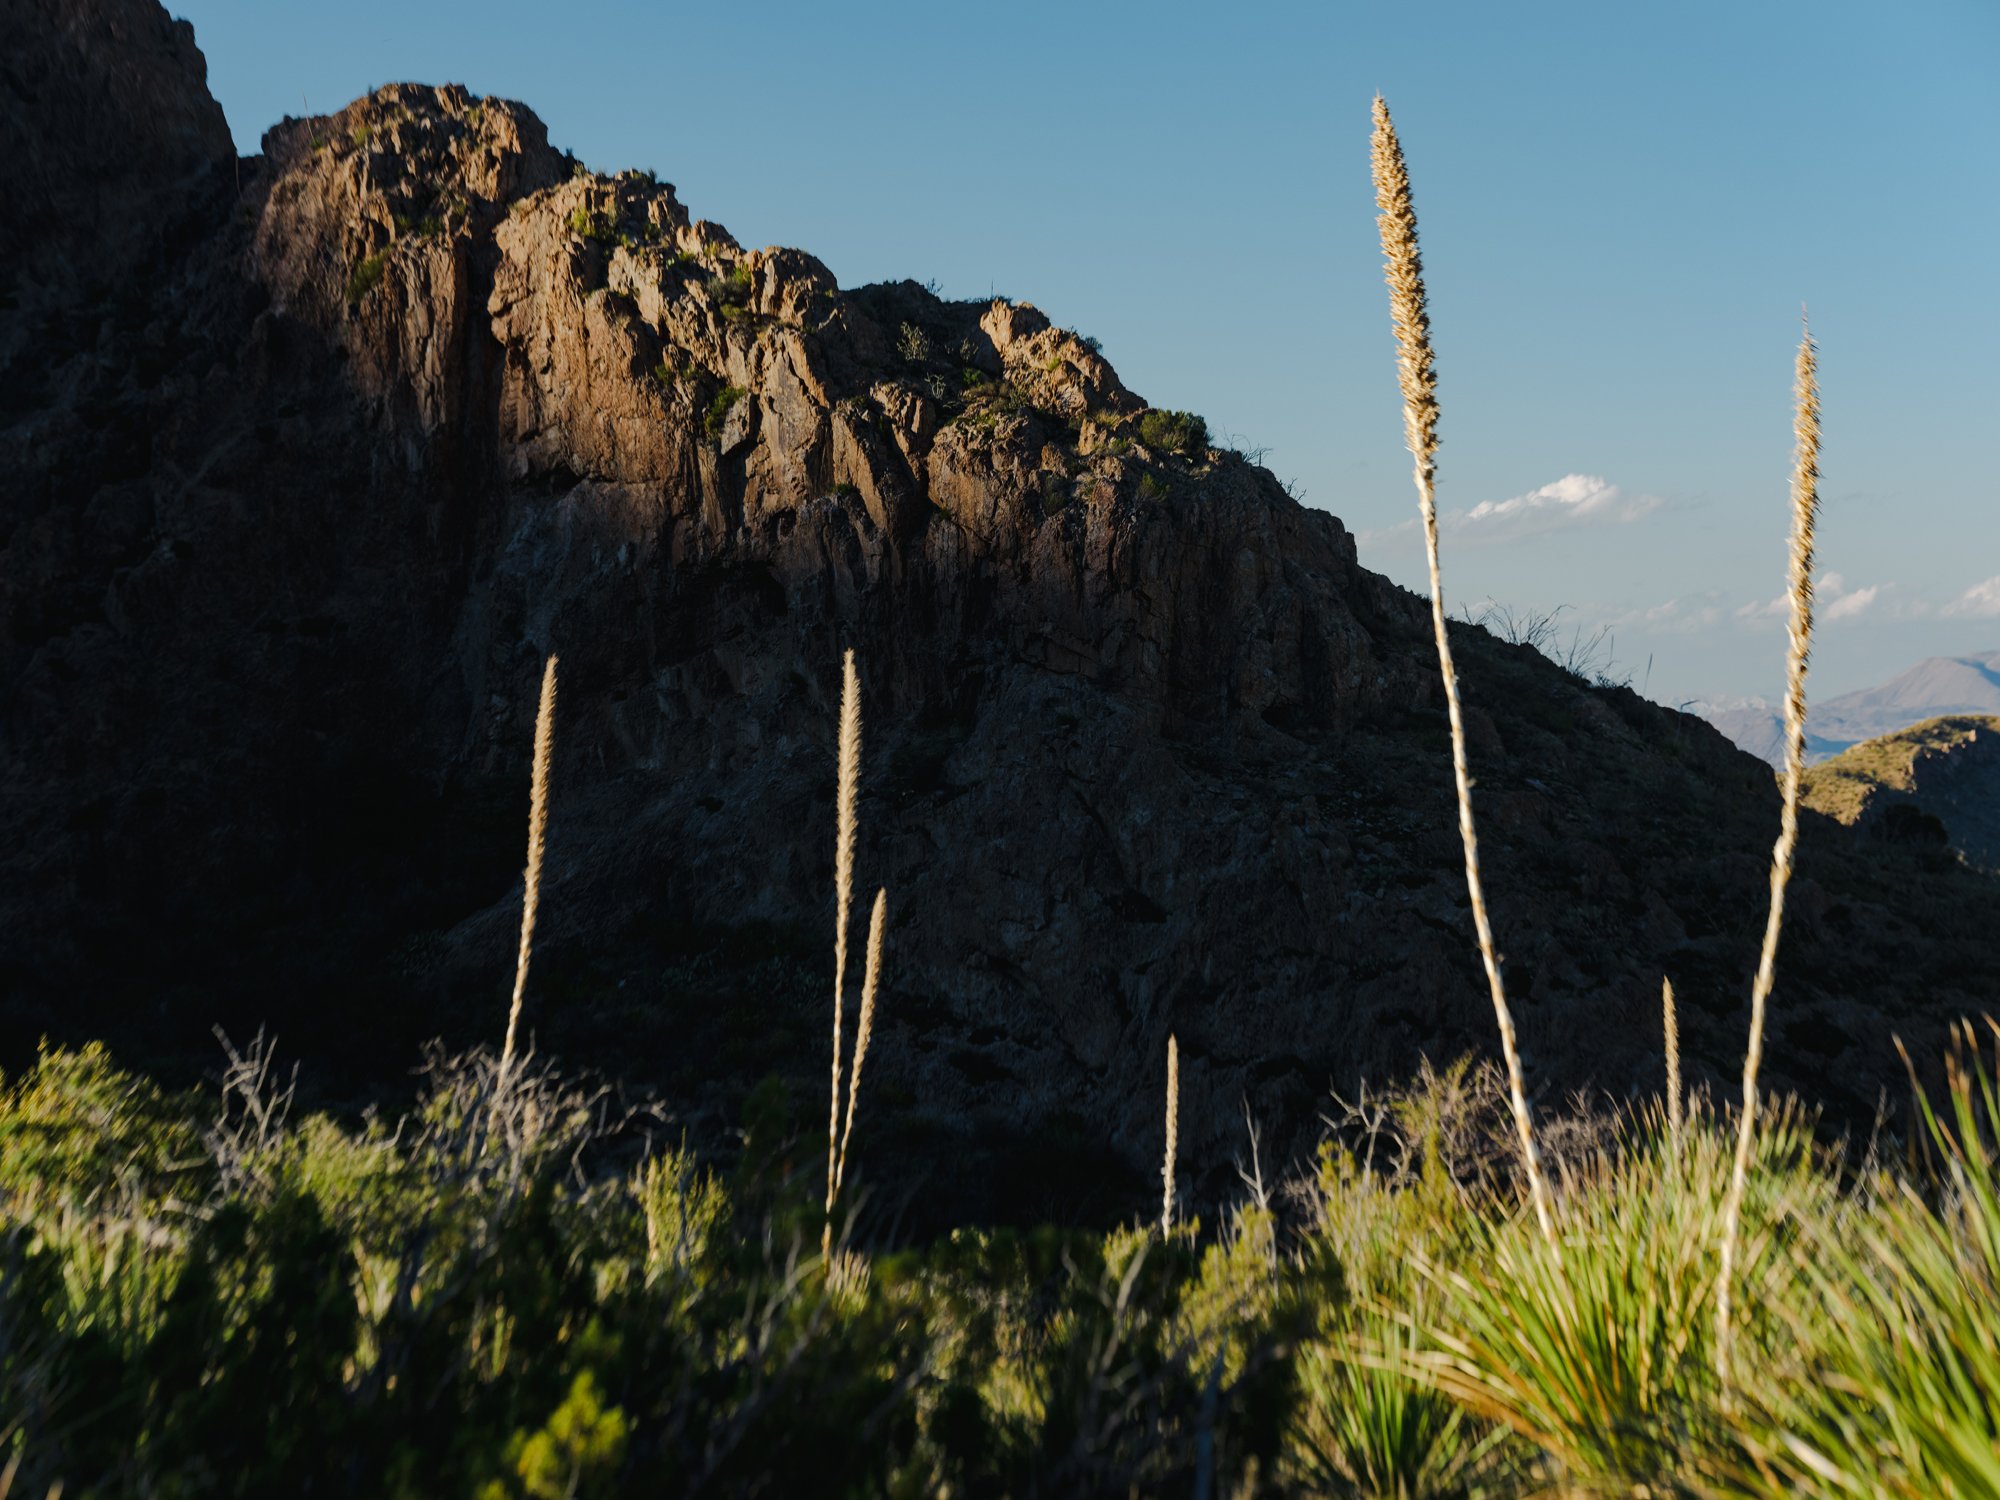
366,274
1173,432
718,409
587,223
732,291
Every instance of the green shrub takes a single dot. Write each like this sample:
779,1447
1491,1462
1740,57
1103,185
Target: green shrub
75,1120
732,291
718,409
587,223
1173,432
365,276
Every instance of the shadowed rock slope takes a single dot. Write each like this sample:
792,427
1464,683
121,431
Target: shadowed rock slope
304,471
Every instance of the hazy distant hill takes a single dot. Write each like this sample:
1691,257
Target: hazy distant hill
1935,687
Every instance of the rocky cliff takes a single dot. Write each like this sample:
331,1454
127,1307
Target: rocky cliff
307,460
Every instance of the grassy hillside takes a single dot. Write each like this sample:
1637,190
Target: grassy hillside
1844,786
1935,783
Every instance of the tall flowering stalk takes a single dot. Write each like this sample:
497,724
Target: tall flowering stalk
843,894
1805,512
538,826
1167,1167
1416,372
1670,1028
871,979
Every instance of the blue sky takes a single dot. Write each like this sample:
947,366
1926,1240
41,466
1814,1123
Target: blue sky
1622,208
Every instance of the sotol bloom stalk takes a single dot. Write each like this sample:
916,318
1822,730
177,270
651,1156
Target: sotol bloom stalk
538,823
843,893
1416,371
871,978
1670,1028
1173,1133
1805,512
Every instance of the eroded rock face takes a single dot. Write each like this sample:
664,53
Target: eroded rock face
1147,749
77,75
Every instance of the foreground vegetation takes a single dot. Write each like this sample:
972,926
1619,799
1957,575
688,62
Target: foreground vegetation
513,1291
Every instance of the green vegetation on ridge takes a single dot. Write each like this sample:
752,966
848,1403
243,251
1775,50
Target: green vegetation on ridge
1843,786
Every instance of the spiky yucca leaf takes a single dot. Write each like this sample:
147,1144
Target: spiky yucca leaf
1597,1349
1900,1394
1371,1426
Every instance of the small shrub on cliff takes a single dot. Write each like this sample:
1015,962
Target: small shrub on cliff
732,291
587,223
366,274
1174,432
718,409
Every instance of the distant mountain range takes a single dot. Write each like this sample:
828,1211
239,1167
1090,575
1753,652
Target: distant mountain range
1934,687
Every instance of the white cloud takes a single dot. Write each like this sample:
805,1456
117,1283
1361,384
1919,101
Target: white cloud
1981,601
1847,606
1573,500
1836,601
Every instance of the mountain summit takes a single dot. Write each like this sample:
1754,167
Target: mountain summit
310,459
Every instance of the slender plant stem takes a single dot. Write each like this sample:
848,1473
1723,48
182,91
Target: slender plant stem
1173,1133
843,894
1805,513
538,824
871,977
1416,370
1670,1028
